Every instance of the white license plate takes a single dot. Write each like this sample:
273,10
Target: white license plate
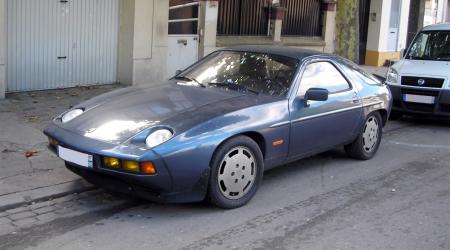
76,157
419,98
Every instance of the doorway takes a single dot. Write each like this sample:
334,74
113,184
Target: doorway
60,44
183,40
394,24
364,12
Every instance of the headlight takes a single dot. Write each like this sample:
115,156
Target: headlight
157,137
67,117
393,77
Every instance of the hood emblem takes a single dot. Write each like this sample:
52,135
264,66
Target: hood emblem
421,82
91,130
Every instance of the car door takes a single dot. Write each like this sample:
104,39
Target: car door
319,125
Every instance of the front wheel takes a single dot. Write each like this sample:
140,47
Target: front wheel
236,172
368,141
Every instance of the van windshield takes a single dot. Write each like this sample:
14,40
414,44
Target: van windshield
430,45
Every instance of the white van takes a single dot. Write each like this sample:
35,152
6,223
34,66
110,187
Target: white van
420,81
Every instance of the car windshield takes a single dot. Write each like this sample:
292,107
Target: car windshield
244,71
431,45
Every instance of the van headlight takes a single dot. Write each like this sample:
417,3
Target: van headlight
158,137
67,117
393,77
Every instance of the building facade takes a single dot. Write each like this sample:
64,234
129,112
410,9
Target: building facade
394,23
47,44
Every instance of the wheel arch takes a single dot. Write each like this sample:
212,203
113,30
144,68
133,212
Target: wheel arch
255,136
383,114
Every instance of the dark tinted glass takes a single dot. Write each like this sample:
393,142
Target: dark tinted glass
263,73
183,28
431,45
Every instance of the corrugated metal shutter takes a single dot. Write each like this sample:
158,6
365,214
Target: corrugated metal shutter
57,44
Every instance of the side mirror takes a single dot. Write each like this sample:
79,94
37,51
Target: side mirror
178,72
315,94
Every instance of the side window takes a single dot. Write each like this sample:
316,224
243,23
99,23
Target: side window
322,75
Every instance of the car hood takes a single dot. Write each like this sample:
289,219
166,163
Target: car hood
119,115
423,68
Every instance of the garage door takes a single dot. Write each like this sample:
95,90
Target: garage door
61,43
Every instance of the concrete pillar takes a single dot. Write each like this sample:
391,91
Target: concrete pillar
329,26
143,41
2,48
209,11
276,23
377,52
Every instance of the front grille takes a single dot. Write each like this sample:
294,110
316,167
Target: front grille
445,108
420,92
419,107
427,81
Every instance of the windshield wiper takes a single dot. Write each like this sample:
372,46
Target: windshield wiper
234,87
185,78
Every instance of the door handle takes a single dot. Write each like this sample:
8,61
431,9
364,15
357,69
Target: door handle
182,41
355,98
62,57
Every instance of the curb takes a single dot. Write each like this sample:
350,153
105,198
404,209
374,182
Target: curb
14,200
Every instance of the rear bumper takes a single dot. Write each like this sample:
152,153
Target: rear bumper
441,107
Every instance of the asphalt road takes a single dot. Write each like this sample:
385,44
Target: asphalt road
398,200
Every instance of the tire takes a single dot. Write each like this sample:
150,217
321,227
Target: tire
368,141
236,172
395,115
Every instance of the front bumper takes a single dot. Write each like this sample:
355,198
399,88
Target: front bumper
158,187
441,107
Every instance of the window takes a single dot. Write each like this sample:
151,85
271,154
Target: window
183,17
322,75
263,73
431,45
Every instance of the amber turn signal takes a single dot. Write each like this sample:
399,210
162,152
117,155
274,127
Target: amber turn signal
131,166
148,168
277,143
52,142
111,162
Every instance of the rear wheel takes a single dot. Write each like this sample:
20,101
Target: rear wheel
368,141
237,169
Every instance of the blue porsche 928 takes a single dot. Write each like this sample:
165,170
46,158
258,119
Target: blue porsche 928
211,131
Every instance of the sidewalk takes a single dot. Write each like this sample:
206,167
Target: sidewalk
28,170
380,71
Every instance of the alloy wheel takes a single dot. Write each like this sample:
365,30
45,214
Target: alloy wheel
370,134
237,173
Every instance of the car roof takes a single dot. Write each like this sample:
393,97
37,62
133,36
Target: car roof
439,26
293,52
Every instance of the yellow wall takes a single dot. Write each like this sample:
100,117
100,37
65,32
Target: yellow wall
376,58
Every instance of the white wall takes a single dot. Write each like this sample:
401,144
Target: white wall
378,27
377,37
2,48
447,19
150,50
403,30
126,42
208,33
143,41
